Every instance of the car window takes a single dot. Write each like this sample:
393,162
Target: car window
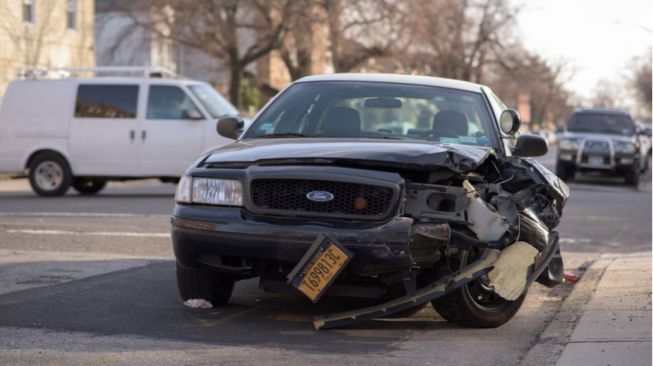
106,101
377,110
213,102
169,102
602,123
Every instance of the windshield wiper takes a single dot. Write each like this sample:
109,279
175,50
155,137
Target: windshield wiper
282,135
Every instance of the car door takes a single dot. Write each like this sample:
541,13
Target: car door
172,131
102,140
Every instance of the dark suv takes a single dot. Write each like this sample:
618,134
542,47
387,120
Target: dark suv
417,185
601,140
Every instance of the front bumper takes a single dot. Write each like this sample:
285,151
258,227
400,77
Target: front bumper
231,232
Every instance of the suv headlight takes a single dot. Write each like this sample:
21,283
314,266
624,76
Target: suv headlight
624,147
210,191
568,144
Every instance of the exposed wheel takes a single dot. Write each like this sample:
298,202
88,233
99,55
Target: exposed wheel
200,284
49,174
632,175
88,186
475,305
564,171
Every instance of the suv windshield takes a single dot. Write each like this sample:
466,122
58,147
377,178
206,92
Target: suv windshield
602,123
213,102
379,111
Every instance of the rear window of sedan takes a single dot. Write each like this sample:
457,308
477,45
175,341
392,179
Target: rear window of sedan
377,110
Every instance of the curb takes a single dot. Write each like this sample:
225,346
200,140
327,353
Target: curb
552,341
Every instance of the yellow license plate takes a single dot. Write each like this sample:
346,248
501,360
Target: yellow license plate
319,268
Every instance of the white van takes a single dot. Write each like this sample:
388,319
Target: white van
82,132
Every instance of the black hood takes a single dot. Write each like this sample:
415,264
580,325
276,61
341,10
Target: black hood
396,153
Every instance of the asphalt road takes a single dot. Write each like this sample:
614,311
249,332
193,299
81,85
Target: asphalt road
90,280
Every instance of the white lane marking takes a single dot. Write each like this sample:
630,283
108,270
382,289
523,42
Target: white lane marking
87,233
77,214
574,240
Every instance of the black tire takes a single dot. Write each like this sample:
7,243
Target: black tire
464,307
200,284
50,174
632,175
564,171
88,186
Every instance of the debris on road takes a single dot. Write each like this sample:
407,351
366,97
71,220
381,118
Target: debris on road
198,304
571,277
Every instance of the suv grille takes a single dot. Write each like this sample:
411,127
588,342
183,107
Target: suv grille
349,199
597,145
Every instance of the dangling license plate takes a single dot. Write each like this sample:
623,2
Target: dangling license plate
319,267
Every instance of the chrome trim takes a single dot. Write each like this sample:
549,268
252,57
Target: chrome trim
581,148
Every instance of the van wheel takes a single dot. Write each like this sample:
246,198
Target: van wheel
50,175
88,186
201,284
632,175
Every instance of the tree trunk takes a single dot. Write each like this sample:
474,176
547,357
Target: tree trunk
234,85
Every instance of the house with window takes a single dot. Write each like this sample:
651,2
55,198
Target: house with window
45,33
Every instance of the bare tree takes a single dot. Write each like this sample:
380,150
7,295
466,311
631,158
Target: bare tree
237,32
641,83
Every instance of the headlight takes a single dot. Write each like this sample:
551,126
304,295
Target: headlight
210,191
183,189
624,147
568,144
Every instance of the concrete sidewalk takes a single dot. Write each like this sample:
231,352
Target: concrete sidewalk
615,328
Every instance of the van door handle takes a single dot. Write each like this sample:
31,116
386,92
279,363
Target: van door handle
143,135
132,134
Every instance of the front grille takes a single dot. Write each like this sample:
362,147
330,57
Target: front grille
349,199
597,145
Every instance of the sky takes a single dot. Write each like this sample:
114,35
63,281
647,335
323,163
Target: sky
597,39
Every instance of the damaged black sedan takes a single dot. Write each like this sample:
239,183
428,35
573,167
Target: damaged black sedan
405,188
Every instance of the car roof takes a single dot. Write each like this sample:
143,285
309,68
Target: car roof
396,78
602,111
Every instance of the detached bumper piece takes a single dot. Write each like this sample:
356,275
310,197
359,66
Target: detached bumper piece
433,291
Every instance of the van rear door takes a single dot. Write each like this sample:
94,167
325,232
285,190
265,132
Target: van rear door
103,132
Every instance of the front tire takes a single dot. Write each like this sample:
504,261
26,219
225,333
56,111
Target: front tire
201,284
50,175
632,175
88,186
475,305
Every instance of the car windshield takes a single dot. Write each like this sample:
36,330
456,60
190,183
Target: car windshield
213,102
377,110
602,123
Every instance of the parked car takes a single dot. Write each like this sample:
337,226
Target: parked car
601,140
83,132
644,133
314,193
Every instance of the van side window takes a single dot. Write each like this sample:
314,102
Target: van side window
169,102
106,101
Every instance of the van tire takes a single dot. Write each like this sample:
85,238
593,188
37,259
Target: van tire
88,186
49,174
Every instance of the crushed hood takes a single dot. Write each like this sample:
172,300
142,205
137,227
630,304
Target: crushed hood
397,153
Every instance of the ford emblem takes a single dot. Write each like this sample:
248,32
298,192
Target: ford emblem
319,196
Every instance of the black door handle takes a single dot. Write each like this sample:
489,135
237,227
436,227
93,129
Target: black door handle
143,135
132,134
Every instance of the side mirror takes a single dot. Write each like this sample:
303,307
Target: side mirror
192,113
530,145
230,127
509,121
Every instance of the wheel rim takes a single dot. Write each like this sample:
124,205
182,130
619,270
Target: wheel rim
480,292
48,175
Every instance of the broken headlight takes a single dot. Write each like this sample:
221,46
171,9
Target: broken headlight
210,191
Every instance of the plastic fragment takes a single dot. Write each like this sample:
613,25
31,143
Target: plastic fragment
571,277
198,304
